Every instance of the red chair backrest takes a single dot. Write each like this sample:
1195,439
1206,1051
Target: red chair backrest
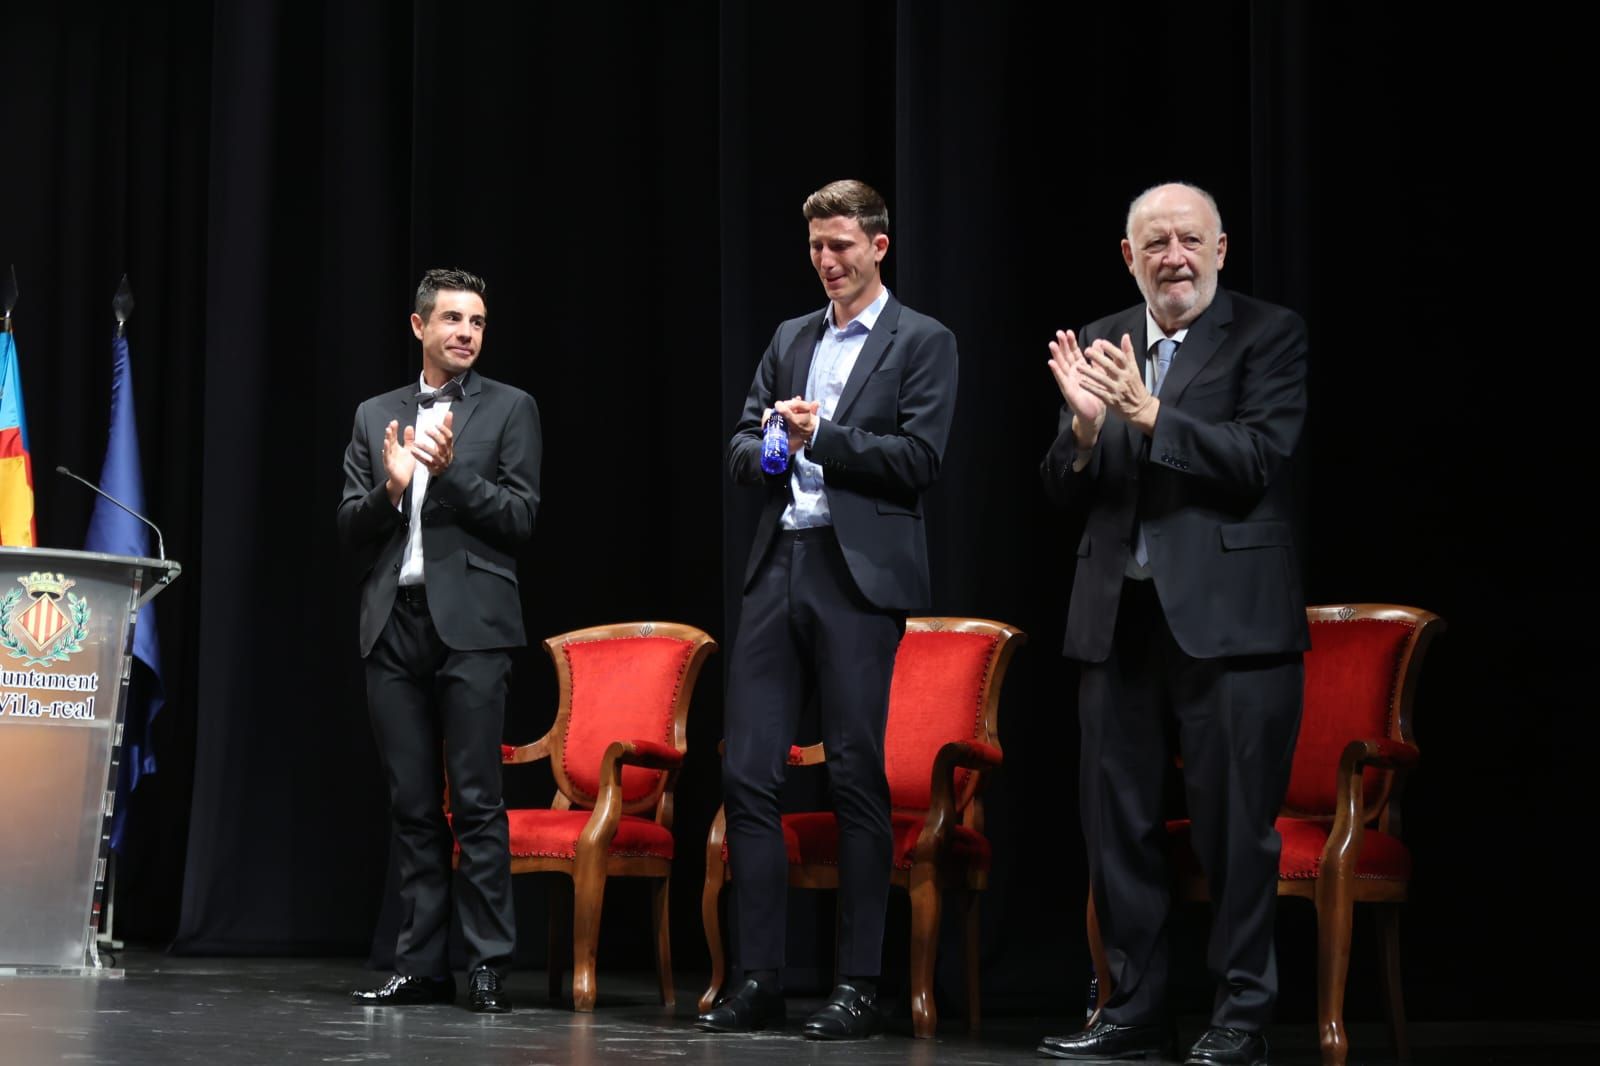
622,689
937,695
1353,683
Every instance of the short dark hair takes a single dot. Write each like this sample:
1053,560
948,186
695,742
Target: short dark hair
451,280
849,199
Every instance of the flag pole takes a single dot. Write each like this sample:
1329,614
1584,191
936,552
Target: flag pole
9,299
122,308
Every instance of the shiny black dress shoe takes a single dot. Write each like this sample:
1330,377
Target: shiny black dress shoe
1107,1040
849,1014
1228,1047
401,991
749,1008
485,994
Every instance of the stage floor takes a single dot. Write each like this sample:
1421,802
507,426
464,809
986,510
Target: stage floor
173,1010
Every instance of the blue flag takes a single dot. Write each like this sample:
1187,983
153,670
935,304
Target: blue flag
113,530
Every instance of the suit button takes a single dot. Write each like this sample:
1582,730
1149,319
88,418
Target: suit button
397,568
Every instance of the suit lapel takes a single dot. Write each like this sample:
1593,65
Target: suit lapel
1205,337
460,413
872,353
402,411
461,410
798,359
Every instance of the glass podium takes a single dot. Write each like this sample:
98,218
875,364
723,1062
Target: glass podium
66,642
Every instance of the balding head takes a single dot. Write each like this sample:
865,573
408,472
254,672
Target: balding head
1174,248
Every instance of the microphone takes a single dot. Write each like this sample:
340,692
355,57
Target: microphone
161,545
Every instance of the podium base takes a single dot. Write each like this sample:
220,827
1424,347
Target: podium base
113,972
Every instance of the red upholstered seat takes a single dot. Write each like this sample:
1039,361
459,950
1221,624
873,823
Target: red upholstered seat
812,837
1341,841
1382,855
554,834
940,739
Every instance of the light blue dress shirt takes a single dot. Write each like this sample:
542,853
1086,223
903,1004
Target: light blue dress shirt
831,363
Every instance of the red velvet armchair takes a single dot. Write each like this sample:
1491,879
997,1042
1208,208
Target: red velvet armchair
941,741
615,750
1340,821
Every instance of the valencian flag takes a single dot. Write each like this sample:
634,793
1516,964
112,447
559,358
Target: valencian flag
16,467
113,530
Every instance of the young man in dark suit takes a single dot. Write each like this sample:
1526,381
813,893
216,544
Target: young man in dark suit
867,388
1180,419
441,487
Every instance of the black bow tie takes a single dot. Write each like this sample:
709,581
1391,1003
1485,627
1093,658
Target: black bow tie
450,390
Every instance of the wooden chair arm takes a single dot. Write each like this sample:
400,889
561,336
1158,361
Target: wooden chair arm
649,753
810,755
1384,753
968,754
601,827
716,835
511,755
1349,805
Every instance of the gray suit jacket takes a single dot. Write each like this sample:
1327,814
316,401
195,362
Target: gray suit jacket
474,517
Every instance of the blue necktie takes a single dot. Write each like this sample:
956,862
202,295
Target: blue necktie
1165,347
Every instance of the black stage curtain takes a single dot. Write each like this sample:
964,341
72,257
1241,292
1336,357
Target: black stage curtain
275,175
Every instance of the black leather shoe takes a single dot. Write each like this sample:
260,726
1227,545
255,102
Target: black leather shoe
401,991
484,993
1221,1046
749,1008
1107,1040
849,1014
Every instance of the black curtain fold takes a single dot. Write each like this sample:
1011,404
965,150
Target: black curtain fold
274,176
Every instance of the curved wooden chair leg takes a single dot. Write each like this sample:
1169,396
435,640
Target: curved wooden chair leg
1388,916
711,918
659,914
1333,966
588,892
925,904
557,944
974,958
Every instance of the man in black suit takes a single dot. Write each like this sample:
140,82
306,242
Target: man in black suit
866,388
1175,441
441,486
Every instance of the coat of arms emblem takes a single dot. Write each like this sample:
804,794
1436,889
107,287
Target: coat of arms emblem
49,626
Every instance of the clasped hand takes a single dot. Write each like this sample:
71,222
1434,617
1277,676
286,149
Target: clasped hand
404,449
799,418
1099,378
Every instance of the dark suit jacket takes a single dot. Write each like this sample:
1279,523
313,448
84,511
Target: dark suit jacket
474,517
878,453
1210,488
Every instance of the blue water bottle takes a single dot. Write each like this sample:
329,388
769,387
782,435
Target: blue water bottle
774,445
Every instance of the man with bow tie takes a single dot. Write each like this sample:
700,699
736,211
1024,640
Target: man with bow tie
441,487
